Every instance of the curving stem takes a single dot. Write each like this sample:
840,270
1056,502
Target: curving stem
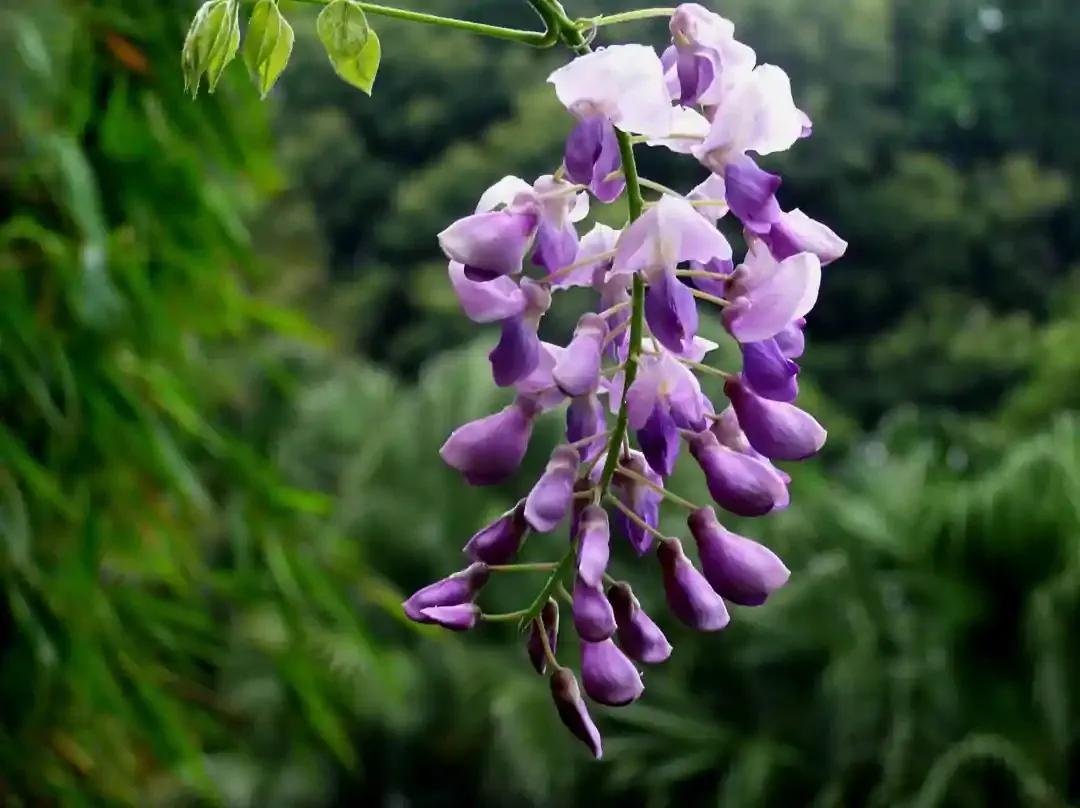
554,16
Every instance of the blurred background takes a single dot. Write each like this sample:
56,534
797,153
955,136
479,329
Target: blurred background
229,354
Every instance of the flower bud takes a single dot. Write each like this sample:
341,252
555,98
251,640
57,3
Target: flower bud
608,674
549,616
737,568
490,244
737,482
593,545
500,541
771,374
641,499
517,353
578,370
461,617
572,710
593,617
490,449
550,499
688,593
671,310
585,417
659,440
638,635
778,430
461,587
591,155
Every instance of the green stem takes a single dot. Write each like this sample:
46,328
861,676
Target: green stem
554,16
706,369
633,517
537,39
503,618
656,186
543,566
625,16
659,489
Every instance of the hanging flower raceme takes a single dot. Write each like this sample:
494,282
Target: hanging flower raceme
628,374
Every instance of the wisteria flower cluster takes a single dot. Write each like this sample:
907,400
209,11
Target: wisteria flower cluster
629,373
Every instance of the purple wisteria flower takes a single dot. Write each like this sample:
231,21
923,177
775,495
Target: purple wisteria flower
572,710
737,568
628,374
593,617
500,541
549,619
738,482
689,595
704,59
622,84
490,449
666,235
454,590
778,430
608,674
594,545
638,635
549,501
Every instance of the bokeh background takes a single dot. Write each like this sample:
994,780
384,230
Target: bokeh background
229,354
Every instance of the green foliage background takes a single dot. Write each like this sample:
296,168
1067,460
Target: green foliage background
228,355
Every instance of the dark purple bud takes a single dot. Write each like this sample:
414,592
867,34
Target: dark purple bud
549,615
769,372
572,710
750,194
461,587
580,503
638,635
591,155
689,595
778,430
659,440
641,499
738,568
490,449
594,545
517,353
556,247
608,674
671,311
461,617
586,416
593,618
549,500
791,340
500,541
737,482
577,372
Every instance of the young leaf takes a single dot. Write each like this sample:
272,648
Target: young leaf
211,43
352,46
267,45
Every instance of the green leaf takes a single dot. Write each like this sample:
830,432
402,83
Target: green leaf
268,45
211,43
352,46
